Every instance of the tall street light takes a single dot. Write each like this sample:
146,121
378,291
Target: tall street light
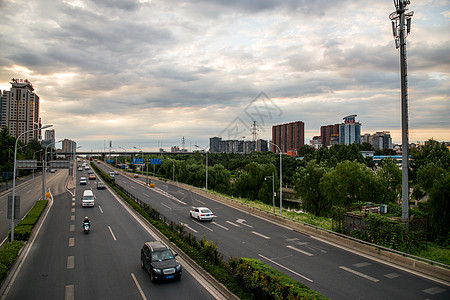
44,169
281,179
401,22
14,177
206,186
273,189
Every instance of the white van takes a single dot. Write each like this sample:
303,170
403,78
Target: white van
88,198
112,174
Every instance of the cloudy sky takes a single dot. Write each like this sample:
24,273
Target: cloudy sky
146,74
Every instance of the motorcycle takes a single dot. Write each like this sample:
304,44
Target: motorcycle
86,227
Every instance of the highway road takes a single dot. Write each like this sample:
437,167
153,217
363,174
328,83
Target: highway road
65,263
29,190
336,273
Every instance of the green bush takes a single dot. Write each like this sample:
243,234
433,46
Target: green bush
8,255
265,282
22,231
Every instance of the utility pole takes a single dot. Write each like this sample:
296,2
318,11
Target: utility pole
401,22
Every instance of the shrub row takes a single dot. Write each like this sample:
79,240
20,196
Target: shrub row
236,274
8,255
22,232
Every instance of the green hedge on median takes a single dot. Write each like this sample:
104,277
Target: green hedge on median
8,255
23,230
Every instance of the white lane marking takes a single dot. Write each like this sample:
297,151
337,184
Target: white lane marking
71,242
188,227
200,201
241,221
73,199
28,191
261,235
166,206
147,196
434,290
110,230
164,193
359,274
69,292
280,265
70,262
231,223
72,228
73,209
217,224
301,251
392,275
138,286
101,210
204,226
72,217
133,187
363,264
73,203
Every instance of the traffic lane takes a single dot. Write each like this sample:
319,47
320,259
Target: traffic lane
305,246
118,253
43,273
29,192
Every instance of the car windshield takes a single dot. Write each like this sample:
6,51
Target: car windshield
88,198
162,255
205,211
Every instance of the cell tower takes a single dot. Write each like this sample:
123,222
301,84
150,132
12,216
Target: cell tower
183,143
401,27
254,130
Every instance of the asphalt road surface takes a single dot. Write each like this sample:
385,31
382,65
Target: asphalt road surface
328,269
65,263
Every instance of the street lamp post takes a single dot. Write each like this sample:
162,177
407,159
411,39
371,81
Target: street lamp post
273,189
44,169
142,168
14,177
206,185
173,169
281,179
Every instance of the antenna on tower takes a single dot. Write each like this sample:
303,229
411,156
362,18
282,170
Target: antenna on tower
183,142
254,130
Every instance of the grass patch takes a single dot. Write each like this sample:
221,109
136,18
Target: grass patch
435,252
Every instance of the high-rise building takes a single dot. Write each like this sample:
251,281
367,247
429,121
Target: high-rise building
329,135
350,131
379,140
68,146
289,136
214,144
20,111
49,138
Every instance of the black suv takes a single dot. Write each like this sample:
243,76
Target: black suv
160,261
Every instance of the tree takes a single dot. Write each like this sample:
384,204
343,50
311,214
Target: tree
219,178
251,183
431,152
307,182
390,180
348,183
439,209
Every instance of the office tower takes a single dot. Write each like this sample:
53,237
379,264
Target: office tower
350,131
20,111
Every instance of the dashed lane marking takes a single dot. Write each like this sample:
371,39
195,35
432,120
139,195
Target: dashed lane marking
113,236
71,242
231,223
101,210
301,251
166,205
359,274
69,292
217,224
293,272
70,262
72,217
261,235
138,286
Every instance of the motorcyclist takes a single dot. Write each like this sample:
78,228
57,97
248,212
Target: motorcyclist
87,221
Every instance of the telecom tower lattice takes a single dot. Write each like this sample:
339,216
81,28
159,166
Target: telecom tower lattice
183,143
254,130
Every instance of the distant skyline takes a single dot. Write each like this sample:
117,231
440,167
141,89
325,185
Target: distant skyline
146,73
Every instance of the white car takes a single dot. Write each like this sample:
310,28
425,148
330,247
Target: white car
83,181
201,214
